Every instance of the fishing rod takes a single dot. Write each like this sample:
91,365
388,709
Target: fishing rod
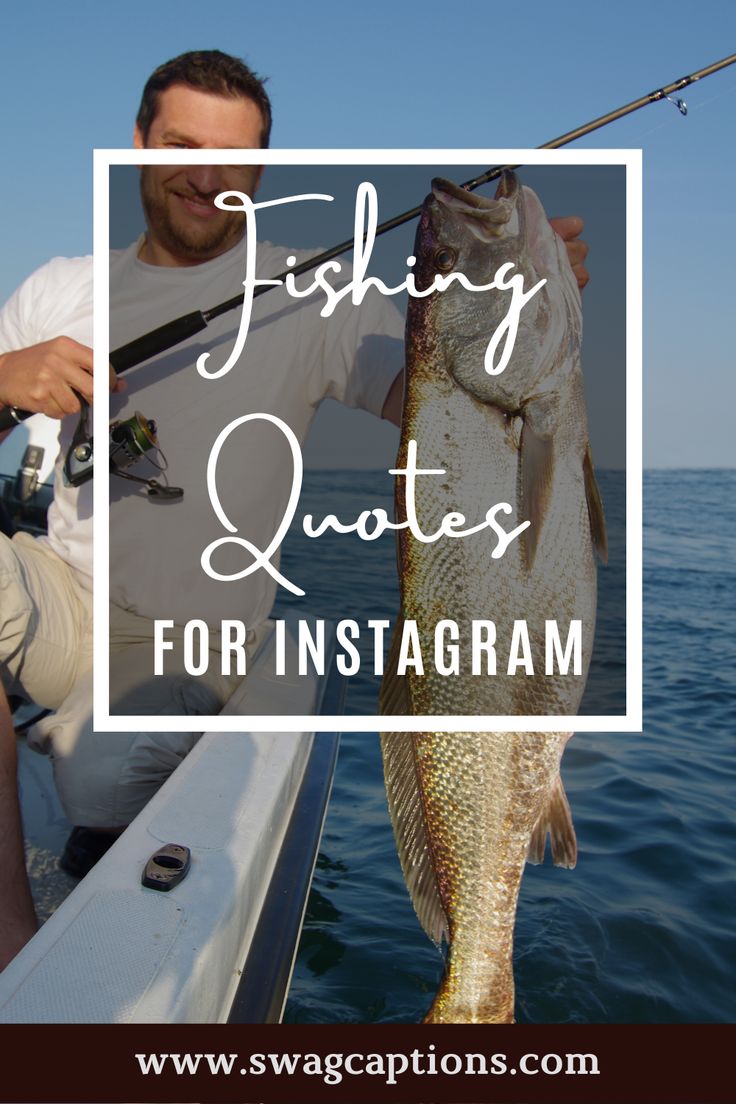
173,333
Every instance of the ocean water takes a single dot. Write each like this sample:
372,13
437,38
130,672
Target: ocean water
643,929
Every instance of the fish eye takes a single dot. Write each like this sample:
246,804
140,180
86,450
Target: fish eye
444,259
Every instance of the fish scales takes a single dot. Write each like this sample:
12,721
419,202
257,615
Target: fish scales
480,789
468,808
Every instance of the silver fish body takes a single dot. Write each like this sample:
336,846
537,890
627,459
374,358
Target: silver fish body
468,808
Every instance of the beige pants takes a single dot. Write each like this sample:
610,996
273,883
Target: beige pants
104,779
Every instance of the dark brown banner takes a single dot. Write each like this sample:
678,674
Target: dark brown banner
597,1064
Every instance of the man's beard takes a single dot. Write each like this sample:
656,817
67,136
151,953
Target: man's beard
184,239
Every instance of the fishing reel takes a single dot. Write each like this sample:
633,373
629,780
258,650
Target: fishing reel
130,440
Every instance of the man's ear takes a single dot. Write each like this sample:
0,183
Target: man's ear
138,142
259,177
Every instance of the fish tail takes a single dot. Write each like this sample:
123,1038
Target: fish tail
441,1007
452,1006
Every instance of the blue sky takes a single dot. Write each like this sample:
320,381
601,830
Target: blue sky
420,75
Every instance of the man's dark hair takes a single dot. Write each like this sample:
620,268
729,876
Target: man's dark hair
209,71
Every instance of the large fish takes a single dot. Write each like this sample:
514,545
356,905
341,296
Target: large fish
468,809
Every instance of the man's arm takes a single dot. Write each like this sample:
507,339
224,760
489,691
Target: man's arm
44,378
48,378
17,916
394,401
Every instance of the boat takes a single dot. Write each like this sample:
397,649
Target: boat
243,814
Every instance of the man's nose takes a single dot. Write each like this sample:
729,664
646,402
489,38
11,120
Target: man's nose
206,179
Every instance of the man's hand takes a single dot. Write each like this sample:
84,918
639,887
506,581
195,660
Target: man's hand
44,378
570,228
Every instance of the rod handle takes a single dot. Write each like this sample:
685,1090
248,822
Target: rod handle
157,341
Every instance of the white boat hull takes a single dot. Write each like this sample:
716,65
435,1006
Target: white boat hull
116,952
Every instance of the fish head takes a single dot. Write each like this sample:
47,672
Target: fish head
462,232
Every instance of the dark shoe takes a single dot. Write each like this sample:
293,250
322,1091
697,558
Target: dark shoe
83,849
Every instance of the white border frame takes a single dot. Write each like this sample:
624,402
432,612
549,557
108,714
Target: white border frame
632,160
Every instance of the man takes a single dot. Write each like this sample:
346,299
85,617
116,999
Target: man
201,100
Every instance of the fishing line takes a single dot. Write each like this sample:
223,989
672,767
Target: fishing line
712,99
692,110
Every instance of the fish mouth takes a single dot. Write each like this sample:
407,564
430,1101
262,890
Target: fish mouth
449,193
488,218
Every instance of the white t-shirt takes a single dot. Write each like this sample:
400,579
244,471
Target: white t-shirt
293,358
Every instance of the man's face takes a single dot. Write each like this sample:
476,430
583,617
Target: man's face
184,226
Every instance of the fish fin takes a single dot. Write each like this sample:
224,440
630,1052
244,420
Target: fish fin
407,816
393,699
537,470
595,508
555,820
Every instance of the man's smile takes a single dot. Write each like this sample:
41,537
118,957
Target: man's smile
198,206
